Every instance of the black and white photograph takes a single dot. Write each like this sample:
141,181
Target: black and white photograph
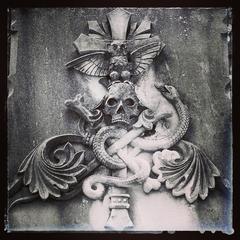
119,119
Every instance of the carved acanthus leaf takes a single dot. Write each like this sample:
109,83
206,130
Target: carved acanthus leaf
191,175
50,169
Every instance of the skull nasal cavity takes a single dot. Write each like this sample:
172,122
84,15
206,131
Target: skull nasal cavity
120,110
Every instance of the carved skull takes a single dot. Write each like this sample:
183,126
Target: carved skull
117,48
121,103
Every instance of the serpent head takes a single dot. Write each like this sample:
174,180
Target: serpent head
169,92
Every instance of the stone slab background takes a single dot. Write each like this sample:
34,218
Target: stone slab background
195,61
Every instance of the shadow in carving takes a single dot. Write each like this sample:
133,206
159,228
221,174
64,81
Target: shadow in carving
116,131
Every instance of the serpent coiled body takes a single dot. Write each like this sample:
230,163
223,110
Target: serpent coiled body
155,142
148,143
99,147
93,186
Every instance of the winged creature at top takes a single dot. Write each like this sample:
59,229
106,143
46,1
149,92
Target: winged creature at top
116,49
118,132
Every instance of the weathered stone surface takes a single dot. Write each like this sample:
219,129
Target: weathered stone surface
194,61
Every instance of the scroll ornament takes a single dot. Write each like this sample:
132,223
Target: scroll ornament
117,130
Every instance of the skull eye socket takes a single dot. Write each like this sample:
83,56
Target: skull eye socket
129,102
115,46
111,102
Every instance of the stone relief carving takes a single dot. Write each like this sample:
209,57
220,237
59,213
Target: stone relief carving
116,131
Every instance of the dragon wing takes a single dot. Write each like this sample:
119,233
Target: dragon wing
143,53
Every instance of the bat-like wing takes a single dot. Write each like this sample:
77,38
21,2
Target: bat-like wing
94,63
143,53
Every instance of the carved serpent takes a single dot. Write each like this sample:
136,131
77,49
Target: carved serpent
99,147
156,142
151,143
93,186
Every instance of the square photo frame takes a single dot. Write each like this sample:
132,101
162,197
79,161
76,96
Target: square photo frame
119,120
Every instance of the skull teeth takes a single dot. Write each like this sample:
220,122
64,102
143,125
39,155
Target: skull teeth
120,119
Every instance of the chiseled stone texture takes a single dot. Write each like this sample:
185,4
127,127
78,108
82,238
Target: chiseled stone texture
194,61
